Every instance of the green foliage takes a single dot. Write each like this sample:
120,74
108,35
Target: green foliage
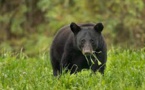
125,71
25,26
32,45
123,20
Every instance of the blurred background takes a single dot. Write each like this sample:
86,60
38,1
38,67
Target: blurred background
30,25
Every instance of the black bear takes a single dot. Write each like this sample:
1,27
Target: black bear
76,42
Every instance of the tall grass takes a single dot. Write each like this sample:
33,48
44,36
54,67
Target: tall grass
125,71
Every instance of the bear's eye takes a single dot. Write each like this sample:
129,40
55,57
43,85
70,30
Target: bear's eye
82,41
92,41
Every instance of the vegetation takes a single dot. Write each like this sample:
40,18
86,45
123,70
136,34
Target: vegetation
125,71
28,26
23,20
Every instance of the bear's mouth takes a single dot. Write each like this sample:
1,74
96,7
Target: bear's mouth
90,56
87,51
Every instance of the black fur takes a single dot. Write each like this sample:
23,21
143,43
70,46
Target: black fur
68,44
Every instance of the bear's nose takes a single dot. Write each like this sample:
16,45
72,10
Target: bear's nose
87,49
87,52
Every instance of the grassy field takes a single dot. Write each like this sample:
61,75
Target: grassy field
125,71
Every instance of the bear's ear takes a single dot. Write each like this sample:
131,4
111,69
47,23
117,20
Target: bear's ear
75,28
99,27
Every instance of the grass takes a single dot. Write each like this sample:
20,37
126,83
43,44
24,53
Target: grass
125,71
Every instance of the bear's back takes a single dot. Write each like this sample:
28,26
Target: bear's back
57,47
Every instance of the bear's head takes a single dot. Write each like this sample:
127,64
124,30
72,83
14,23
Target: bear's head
87,37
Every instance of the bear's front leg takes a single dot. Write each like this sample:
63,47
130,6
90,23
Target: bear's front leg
96,67
102,57
64,62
